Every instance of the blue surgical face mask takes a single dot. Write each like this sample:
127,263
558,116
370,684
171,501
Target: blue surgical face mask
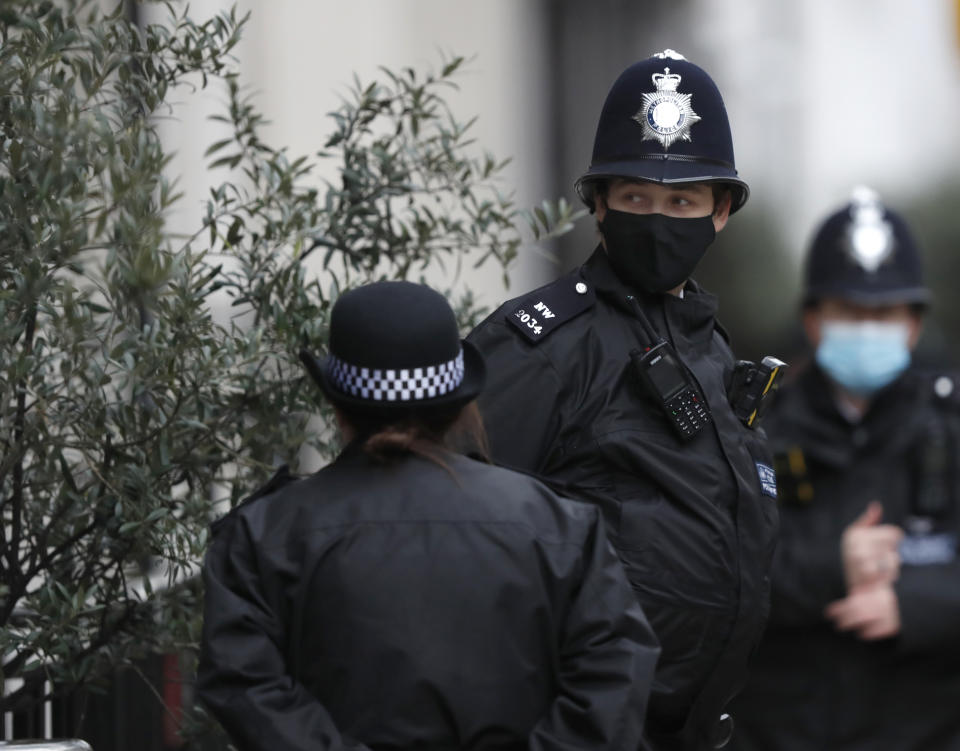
864,356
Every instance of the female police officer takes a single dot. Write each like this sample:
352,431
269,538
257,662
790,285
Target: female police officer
410,597
612,384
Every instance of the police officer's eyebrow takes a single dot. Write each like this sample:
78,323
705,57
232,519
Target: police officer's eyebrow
626,184
690,187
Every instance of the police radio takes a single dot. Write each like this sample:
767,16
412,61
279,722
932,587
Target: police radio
665,379
752,387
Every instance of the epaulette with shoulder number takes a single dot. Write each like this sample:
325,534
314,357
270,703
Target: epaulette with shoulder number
546,309
279,479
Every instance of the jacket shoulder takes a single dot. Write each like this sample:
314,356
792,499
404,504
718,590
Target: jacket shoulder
280,479
525,491
539,313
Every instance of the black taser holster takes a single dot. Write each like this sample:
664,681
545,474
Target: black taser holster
752,387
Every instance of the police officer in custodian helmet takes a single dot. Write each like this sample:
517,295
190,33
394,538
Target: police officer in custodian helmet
863,648
407,596
616,384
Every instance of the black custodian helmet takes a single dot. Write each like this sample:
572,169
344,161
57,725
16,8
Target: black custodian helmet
664,121
865,253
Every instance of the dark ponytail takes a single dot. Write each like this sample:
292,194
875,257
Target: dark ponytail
427,433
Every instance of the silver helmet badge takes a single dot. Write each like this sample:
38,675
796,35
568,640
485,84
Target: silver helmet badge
869,236
666,115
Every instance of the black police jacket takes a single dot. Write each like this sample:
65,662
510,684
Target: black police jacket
693,521
413,606
812,687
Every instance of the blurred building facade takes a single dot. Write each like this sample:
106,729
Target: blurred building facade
821,96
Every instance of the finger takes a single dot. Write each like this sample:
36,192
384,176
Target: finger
841,611
871,516
878,562
852,621
849,615
835,608
886,534
863,575
874,630
886,562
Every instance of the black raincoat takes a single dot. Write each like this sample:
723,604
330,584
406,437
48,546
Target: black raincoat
412,606
812,687
694,522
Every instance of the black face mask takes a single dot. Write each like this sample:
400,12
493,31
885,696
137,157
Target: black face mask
653,252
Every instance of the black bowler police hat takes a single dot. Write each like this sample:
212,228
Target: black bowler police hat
394,348
865,253
664,121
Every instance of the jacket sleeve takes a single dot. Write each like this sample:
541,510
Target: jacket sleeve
806,576
242,676
608,653
929,600
520,401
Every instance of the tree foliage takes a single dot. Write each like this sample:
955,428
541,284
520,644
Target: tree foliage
132,410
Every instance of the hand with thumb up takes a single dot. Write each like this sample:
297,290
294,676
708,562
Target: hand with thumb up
870,550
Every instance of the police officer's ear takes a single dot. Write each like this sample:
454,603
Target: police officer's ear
722,203
812,319
347,430
916,326
600,190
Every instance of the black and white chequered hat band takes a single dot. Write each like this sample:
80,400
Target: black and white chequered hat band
404,385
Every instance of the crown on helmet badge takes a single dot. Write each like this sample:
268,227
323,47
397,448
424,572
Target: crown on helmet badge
666,115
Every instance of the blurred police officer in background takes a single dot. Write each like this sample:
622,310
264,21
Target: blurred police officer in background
409,597
863,647
612,384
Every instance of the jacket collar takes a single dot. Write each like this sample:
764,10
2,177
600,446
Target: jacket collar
694,314
819,393
816,424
